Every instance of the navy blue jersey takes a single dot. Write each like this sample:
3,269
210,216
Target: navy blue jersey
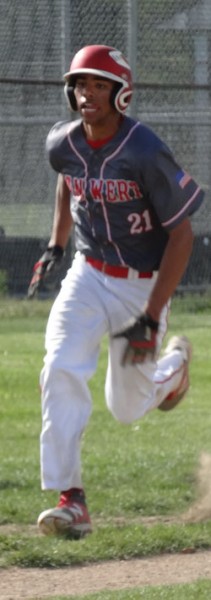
126,195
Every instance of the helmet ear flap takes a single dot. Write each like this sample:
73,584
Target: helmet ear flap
117,86
70,96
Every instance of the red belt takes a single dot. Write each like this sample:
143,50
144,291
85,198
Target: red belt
117,270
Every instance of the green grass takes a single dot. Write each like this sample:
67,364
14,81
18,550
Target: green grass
197,591
131,473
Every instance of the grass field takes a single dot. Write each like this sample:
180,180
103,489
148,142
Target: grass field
199,591
136,477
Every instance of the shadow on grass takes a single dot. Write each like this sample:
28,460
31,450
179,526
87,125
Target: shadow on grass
7,484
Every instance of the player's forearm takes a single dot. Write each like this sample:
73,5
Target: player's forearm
62,221
61,230
172,268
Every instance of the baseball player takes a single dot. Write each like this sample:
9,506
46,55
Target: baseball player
130,204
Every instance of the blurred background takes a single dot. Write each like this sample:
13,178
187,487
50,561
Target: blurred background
168,45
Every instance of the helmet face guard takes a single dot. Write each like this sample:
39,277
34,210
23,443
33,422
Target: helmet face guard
105,62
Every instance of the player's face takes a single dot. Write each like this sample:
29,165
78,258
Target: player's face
93,99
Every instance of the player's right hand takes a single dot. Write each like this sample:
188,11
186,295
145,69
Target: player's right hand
45,266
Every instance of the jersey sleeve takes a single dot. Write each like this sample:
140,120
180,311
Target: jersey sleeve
173,193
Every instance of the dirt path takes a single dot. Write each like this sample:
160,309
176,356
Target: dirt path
22,584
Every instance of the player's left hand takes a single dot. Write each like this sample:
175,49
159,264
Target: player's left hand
141,338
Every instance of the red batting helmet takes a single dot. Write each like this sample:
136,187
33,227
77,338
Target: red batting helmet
105,62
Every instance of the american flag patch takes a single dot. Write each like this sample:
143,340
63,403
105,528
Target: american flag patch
183,178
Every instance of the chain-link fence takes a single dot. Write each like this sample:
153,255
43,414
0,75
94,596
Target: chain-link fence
168,45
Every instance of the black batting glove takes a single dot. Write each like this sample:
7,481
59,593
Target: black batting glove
48,263
141,336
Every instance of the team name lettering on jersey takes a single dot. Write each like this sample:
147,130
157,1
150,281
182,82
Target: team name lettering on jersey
114,190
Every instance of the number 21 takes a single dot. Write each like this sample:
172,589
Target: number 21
140,222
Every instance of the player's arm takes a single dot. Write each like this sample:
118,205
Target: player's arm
172,267
62,220
141,335
51,259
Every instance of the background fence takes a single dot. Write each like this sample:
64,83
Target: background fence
168,45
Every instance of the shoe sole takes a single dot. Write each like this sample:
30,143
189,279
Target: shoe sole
50,524
169,404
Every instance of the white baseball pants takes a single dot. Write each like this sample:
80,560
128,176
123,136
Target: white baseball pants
89,305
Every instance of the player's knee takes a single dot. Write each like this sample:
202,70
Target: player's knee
126,409
125,414
121,417
55,375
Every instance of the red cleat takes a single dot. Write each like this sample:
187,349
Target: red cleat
69,518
